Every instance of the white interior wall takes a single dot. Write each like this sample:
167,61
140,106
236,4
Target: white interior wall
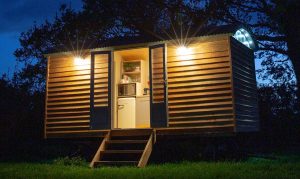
131,54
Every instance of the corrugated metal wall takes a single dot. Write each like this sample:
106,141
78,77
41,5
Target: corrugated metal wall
199,85
245,90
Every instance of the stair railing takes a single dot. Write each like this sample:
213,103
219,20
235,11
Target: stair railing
100,150
147,151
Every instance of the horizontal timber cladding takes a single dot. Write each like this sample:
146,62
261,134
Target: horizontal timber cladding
199,85
100,90
157,75
245,90
101,80
68,95
158,92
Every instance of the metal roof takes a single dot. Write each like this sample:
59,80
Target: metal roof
139,40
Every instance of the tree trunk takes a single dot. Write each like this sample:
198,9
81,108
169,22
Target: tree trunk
296,65
291,27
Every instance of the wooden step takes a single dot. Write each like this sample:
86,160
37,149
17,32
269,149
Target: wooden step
126,141
123,151
125,144
121,155
130,132
116,163
125,147
127,137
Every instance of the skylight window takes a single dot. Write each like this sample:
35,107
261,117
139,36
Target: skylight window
244,37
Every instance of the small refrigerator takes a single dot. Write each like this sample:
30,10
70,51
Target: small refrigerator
126,113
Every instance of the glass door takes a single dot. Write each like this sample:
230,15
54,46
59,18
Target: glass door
158,86
100,90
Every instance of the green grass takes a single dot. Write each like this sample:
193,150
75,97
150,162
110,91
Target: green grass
280,167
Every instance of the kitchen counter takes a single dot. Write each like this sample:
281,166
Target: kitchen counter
143,96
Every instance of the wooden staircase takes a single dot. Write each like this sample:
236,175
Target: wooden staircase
125,147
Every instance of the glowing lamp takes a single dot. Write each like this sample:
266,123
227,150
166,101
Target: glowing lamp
183,50
78,61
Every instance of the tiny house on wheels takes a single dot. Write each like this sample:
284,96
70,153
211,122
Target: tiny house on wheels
130,91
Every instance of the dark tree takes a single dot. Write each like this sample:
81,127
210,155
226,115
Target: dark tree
277,28
100,20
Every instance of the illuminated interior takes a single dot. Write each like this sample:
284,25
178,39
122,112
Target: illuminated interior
131,66
244,37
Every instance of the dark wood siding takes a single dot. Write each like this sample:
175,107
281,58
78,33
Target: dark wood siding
101,83
68,96
158,91
101,90
199,85
157,75
244,85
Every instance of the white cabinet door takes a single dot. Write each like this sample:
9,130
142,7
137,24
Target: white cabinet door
126,113
143,112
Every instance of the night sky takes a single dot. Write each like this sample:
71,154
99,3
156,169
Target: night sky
18,16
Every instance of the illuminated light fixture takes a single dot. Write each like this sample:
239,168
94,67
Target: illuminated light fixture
183,50
183,53
244,37
79,61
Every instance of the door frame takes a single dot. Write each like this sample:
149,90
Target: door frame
110,87
165,78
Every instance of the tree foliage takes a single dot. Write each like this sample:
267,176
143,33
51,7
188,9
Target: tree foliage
21,111
100,20
276,27
274,23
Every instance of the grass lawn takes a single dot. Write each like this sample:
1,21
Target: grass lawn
279,167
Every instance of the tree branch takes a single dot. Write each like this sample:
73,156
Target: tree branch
271,38
281,51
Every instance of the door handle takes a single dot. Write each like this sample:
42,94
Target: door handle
120,106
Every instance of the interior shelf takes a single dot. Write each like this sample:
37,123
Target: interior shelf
132,73
132,69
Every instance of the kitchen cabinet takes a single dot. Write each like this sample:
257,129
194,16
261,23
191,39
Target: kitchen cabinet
143,112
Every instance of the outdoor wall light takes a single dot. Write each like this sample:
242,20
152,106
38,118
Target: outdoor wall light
183,50
78,61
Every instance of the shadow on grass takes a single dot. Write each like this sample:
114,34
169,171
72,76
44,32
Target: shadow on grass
167,150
